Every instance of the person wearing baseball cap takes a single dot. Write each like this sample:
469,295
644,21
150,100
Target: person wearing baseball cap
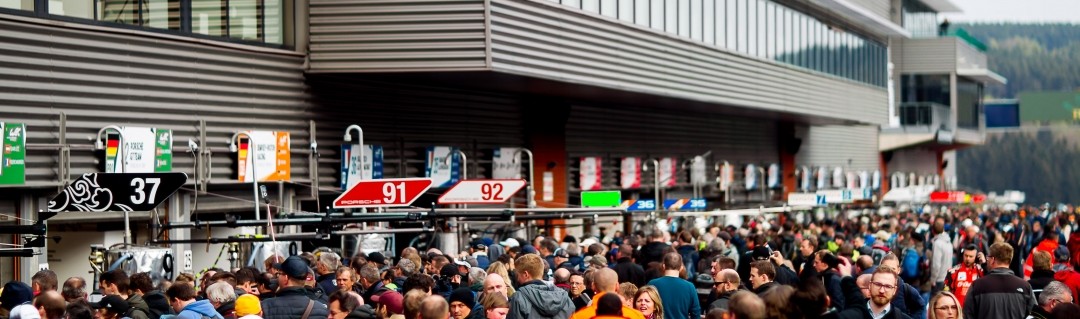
478,250
248,307
111,307
391,305
292,300
377,259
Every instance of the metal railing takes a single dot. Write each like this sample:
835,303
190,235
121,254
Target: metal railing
930,114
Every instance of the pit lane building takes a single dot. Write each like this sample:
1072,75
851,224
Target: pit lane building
582,84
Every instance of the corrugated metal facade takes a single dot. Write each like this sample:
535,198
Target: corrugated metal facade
614,133
850,147
881,8
930,55
407,118
544,40
104,76
397,35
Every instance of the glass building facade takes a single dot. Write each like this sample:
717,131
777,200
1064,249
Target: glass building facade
246,20
758,28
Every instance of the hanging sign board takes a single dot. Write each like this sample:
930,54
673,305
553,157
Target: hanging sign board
144,150
591,173
482,191
805,199
727,176
685,204
852,180
838,196
838,177
131,192
750,177
267,157
774,176
697,171
875,180
354,168
601,199
668,177
822,178
503,163
548,186
394,192
806,179
639,205
864,179
630,173
443,166
13,157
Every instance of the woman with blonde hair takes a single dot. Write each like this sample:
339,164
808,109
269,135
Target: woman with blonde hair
500,268
648,302
944,305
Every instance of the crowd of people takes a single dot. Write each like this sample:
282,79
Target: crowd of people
942,264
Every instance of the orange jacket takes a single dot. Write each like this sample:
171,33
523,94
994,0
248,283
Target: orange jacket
590,311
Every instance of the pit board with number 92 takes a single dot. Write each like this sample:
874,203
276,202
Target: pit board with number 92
482,191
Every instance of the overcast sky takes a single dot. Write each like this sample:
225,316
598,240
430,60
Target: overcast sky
1017,11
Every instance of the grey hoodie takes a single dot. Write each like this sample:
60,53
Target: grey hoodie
536,300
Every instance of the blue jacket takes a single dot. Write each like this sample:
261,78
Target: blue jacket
199,310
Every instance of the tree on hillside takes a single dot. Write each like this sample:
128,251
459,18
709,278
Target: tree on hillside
1041,165
1033,57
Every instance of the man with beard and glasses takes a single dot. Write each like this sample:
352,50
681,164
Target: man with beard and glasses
883,286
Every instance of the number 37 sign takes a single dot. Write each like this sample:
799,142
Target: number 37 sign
117,192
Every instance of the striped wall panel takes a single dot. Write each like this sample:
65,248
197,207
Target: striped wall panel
544,40
102,76
850,147
397,35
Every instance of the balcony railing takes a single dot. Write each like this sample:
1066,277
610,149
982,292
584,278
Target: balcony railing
932,115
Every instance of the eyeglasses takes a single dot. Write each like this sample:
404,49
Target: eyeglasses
950,307
881,285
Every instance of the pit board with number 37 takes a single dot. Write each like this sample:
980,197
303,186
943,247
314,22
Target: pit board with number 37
390,192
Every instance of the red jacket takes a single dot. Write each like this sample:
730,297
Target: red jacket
1074,248
1070,278
1047,245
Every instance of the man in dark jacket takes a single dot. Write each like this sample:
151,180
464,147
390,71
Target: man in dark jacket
907,299
883,285
326,265
726,283
1000,294
654,250
627,270
688,251
536,299
825,264
292,299
1043,272
372,284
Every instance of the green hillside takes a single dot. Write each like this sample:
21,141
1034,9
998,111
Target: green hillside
1043,162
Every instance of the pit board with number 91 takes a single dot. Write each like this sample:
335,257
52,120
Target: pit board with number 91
482,191
390,192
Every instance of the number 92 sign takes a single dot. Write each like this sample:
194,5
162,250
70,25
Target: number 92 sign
482,191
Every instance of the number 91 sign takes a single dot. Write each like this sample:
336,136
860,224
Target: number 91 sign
391,192
482,191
